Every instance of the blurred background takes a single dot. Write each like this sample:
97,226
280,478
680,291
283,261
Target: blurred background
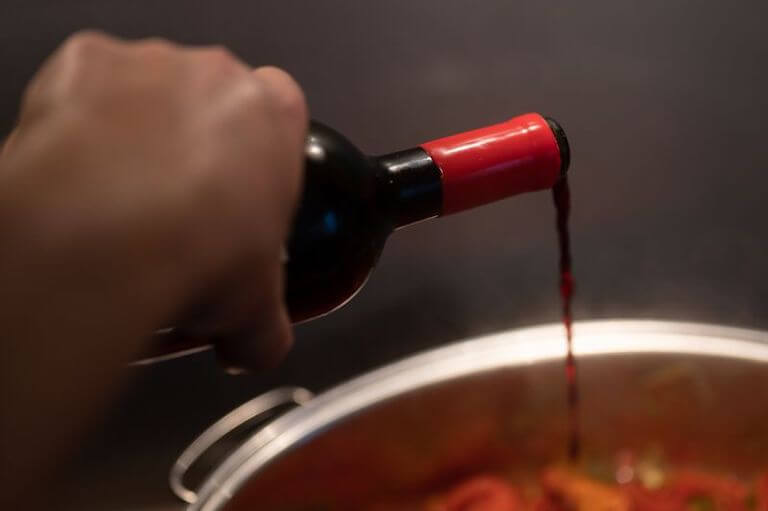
663,103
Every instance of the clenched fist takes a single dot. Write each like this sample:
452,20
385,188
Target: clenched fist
143,179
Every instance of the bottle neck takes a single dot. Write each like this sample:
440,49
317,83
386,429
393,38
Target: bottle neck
523,154
415,184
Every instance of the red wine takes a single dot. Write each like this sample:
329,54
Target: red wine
351,203
562,198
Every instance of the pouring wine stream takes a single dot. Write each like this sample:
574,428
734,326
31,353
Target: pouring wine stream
562,198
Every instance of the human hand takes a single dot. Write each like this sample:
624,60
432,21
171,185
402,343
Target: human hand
143,177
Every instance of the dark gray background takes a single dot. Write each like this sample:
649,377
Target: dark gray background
664,103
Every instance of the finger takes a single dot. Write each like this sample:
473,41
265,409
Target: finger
286,97
289,120
82,46
257,348
155,43
76,45
219,61
258,330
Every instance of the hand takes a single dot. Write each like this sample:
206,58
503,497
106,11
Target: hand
143,178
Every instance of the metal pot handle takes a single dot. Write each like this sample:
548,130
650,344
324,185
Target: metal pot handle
249,411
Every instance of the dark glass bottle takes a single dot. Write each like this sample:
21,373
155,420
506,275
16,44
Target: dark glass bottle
350,205
352,202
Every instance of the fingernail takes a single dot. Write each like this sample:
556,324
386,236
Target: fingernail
235,371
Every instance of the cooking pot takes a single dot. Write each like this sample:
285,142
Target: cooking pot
698,393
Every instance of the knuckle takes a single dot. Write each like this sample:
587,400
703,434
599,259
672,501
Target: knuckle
248,98
291,103
64,73
220,57
86,43
156,45
286,96
254,95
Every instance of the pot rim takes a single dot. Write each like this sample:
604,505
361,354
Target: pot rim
511,348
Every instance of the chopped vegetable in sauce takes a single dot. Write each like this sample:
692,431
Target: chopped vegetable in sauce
567,489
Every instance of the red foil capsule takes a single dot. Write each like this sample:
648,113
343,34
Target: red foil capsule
520,155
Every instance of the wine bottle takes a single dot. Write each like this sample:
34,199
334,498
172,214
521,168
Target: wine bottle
351,203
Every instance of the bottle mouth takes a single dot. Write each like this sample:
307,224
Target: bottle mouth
562,145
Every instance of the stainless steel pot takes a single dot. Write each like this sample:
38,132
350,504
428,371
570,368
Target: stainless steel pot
700,392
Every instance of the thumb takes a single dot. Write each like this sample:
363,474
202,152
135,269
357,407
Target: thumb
256,329
257,347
